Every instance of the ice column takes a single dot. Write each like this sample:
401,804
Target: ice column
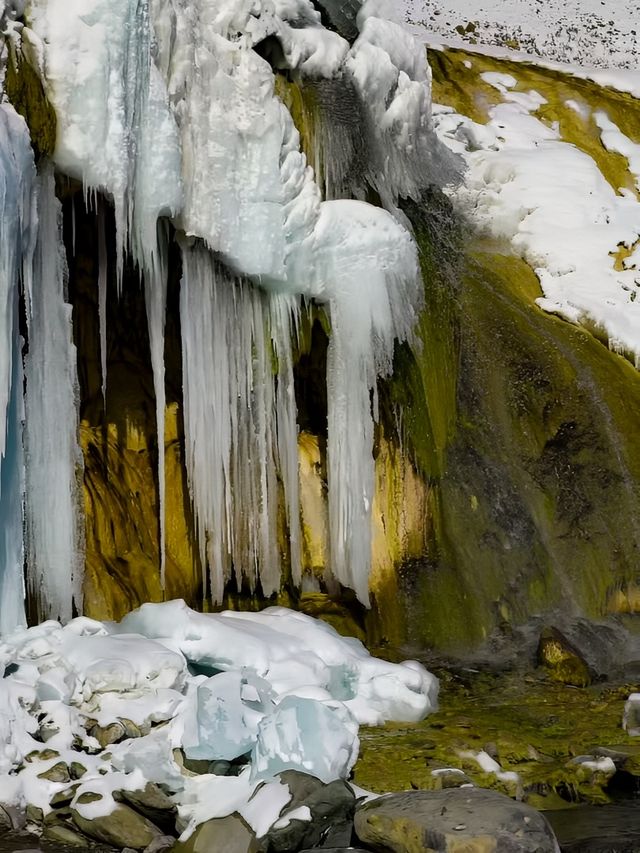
54,528
17,173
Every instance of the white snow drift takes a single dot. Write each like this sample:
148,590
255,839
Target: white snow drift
277,690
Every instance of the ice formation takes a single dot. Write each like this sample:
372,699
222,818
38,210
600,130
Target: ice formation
275,690
170,110
17,173
40,462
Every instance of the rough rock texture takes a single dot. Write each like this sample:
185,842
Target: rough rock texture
467,820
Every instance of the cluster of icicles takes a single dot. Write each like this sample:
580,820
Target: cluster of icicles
166,108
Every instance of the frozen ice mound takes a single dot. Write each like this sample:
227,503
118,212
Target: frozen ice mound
320,738
132,702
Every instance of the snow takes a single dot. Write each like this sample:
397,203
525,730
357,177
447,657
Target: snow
551,202
286,692
580,32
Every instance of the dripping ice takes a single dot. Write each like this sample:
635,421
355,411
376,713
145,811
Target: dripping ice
170,110
40,460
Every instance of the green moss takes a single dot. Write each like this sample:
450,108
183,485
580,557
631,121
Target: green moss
533,484
24,89
530,726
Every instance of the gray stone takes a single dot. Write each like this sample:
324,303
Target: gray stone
11,818
472,820
5,819
132,730
123,827
341,15
332,808
222,835
220,767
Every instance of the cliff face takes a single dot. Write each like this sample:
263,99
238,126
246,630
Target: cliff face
506,471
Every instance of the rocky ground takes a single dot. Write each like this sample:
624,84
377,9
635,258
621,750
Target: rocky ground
505,745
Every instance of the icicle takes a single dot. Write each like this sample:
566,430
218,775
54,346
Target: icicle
102,295
155,280
240,429
54,527
282,310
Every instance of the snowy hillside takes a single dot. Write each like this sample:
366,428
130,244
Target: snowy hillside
603,33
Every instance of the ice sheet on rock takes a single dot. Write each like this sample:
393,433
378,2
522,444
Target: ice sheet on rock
366,264
54,529
321,738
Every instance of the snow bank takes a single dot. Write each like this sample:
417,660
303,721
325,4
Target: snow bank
274,690
550,200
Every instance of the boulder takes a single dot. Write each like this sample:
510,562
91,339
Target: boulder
330,808
123,827
561,659
153,803
226,835
472,820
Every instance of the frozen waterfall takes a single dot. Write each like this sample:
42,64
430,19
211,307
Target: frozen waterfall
171,111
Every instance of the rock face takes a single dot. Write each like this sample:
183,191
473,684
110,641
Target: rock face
465,820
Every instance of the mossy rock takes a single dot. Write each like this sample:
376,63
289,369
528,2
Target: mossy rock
25,91
562,661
